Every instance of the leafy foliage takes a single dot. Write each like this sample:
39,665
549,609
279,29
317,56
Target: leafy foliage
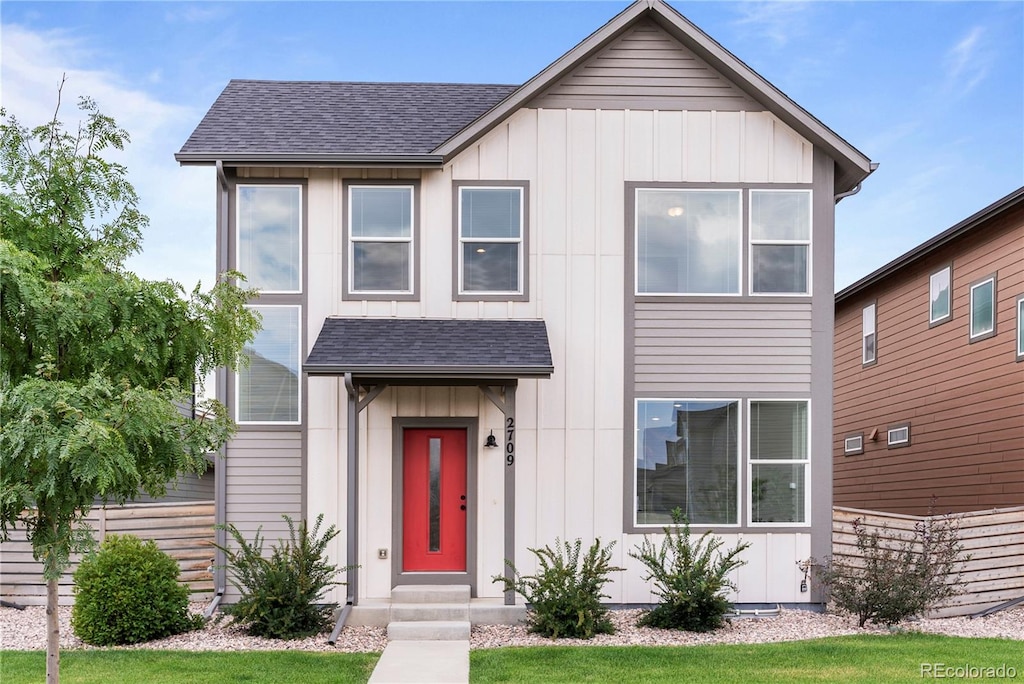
690,577
280,593
128,592
890,581
564,596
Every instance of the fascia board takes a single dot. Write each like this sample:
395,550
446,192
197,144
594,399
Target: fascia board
309,159
432,372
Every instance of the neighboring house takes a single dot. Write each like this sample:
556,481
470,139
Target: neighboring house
620,271
929,379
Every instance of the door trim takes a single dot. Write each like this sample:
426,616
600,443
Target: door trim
398,427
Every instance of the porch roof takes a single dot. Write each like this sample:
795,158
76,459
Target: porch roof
422,348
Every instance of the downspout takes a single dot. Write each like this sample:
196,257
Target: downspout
352,519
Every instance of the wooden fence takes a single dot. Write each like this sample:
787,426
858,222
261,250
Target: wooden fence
184,530
994,539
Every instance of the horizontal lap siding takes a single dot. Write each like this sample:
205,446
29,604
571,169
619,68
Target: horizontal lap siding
965,402
264,482
701,347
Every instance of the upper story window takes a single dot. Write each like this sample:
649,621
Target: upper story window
780,242
267,390
688,241
868,339
983,309
940,308
381,245
491,250
269,237
1020,329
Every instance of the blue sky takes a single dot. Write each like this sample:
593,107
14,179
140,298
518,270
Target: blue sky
933,91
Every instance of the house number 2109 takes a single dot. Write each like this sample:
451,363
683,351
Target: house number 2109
510,441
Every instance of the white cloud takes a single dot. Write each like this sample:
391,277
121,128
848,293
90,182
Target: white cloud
968,62
180,202
780,22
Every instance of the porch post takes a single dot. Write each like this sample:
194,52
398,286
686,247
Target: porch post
510,485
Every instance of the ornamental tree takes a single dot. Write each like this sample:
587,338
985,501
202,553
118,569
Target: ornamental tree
97,364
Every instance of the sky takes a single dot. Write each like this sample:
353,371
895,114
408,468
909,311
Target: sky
932,91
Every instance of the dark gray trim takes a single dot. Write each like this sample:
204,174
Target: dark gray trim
474,374
457,257
310,159
995,308
898,426
969,224
874,360
1019,341
853,452
948,317
398,427
221,471
349,295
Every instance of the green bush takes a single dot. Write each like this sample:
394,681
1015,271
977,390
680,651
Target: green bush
564,596
690,578
128,592
280,593
889,581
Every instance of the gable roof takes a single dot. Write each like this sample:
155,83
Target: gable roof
1001,206
278,122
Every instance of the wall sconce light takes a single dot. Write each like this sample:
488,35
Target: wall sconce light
491,442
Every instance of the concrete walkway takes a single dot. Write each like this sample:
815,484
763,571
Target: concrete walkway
423,662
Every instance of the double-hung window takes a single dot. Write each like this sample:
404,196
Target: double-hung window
868,338
381,245
779,461
491,241
780,242
940,307
983,309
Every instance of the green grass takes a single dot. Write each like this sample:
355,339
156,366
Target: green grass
854,659
184,667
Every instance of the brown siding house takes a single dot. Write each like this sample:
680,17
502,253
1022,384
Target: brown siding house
929,373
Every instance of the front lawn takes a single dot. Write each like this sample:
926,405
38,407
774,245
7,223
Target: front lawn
186,667
853,659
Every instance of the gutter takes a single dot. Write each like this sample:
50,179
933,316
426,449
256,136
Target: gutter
856,188
310,159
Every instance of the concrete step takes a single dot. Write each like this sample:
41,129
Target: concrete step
430,593
436,630
429,612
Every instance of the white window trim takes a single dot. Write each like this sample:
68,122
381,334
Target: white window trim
806,462
636,243
238,229
519,241
949,314
1020,328
739,441
807,243
411,240
298,360
864,334
858,449
991,331
897,442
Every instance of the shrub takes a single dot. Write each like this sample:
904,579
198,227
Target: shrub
279,593
128,592
690,578
889,581
564,596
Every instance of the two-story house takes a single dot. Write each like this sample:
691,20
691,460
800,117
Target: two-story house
498,315
929,379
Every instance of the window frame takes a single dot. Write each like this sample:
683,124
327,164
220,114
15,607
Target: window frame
458,268
932,320
647,527
864,360
859,449
349,293
299,384
260,183
752,242
806,462
893,428
978,337
1020,328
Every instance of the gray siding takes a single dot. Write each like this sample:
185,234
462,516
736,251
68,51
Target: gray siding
187,487
645,68
264,481
726,349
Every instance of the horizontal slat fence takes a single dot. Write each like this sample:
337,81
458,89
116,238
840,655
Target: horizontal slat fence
183,530
994,539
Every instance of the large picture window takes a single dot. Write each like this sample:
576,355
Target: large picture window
688,241
267,390
380,239
687,453
779,460
780,241
269,234
491,237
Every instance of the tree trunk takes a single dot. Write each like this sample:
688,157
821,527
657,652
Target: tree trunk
52,634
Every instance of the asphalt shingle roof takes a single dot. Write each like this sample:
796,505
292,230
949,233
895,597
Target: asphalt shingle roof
322,117
395,347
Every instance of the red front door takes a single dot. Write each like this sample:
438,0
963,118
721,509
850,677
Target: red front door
434,500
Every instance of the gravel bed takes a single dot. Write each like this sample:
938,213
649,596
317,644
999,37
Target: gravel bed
26,630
